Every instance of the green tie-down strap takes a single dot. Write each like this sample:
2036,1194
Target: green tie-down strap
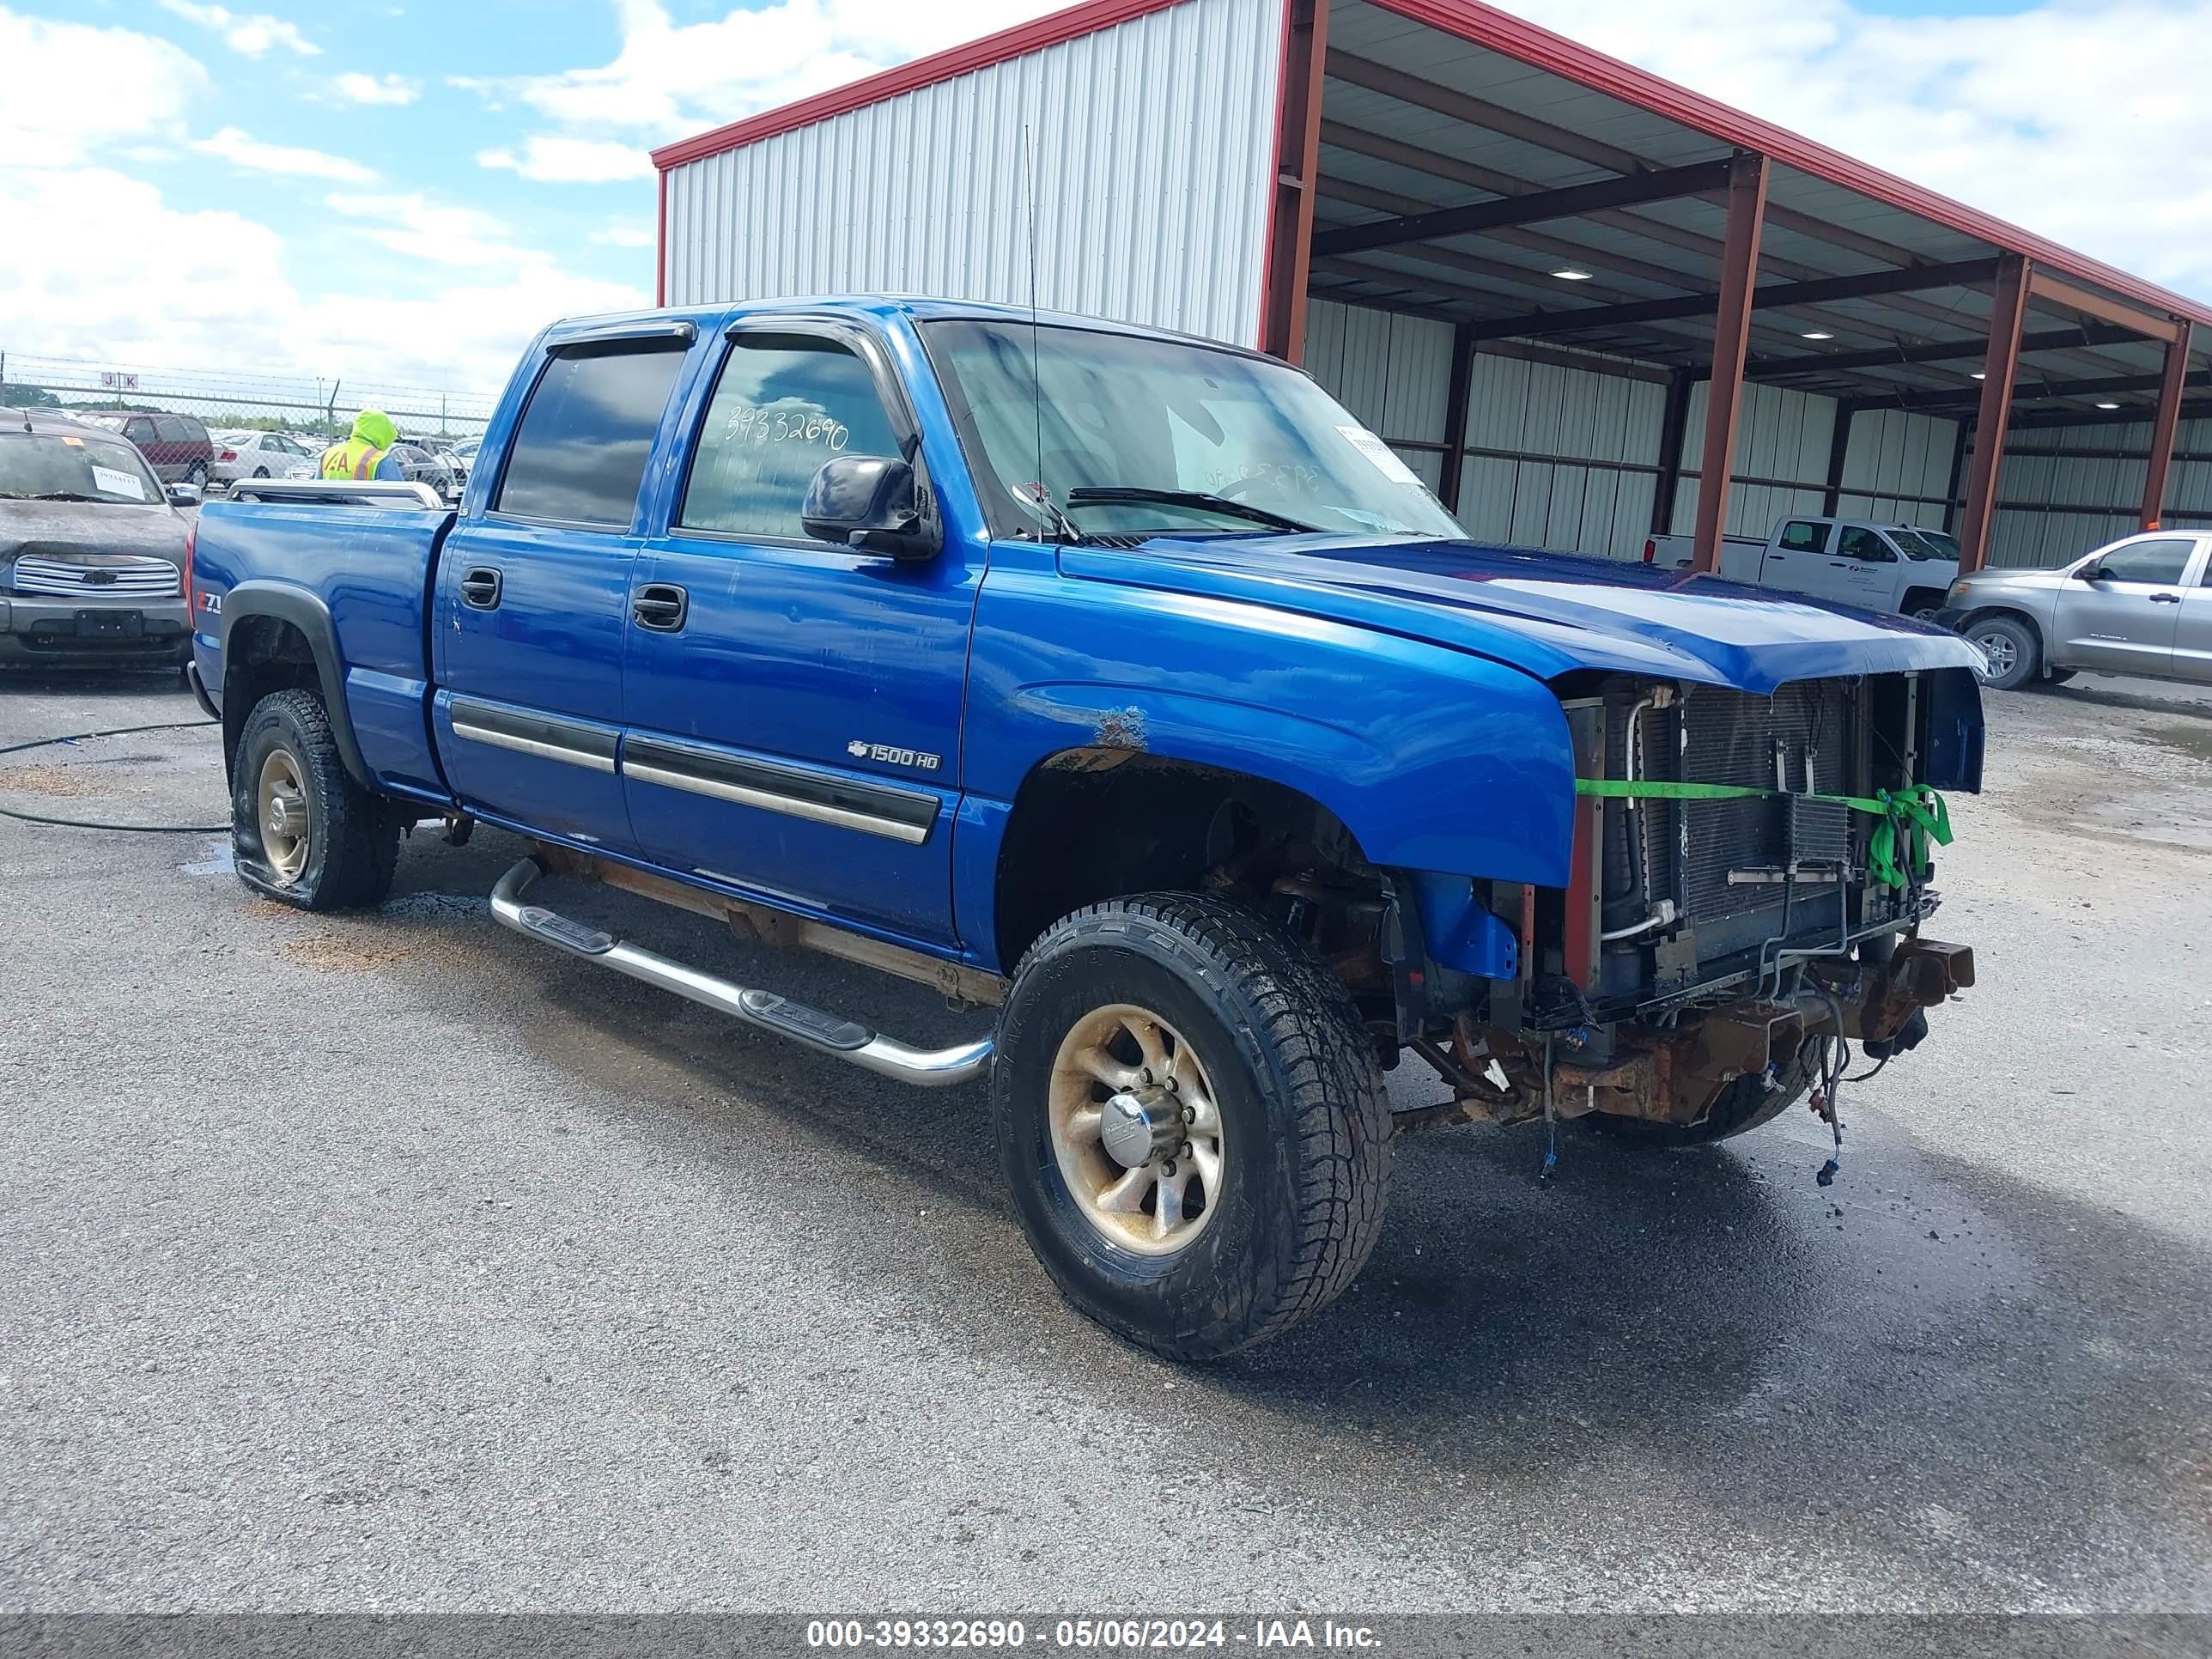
1902,812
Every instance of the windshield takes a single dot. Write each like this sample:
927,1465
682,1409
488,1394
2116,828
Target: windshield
1925,545
1130,417
65,466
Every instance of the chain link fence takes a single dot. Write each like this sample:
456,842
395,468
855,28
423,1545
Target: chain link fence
309,406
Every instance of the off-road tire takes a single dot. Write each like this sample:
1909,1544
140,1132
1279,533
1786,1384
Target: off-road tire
1744,1105
1305,1120
2027,650
353,836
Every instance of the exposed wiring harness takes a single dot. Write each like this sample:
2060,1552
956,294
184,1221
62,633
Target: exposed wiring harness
91,824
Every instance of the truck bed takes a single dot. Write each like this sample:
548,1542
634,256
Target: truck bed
366,572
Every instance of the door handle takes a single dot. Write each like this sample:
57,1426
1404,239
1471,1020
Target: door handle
480,587
661,606
2165,599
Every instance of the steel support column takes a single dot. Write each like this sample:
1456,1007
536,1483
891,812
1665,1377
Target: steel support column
1958,472
2163,426
1674,429
2000,365
1747,211
1839,451
1297,168
1461,381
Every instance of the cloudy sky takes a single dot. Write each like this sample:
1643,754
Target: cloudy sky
403,194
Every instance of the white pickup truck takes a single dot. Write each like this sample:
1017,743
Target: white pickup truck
1876,567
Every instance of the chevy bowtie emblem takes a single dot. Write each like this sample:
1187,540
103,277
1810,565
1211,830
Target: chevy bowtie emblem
100,579
857,750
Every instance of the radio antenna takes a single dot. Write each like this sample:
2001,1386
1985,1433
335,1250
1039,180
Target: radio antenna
1062,530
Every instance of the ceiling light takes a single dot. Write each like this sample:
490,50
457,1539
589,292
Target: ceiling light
1978,375
1571,274
1818,334
2105,405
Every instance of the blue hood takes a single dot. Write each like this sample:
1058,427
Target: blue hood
1547,614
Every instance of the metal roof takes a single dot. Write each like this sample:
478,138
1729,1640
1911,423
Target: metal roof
1872,289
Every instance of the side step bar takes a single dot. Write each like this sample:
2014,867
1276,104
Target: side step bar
846,1040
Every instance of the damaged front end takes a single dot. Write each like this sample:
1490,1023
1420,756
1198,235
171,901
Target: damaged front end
1749,878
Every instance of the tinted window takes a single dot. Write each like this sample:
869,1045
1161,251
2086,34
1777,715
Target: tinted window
785,405
175,428
1857,543
2148,562
581,450
140,431
1801,538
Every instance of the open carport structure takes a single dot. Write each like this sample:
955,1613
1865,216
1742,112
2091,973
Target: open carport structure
1566,291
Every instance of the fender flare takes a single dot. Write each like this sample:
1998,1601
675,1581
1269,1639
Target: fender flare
307,612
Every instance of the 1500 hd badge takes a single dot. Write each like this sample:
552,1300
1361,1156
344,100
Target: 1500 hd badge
887,756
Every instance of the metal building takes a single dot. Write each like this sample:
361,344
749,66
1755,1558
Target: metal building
1563,290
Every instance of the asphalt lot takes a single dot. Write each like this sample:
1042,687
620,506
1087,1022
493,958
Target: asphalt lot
393,1262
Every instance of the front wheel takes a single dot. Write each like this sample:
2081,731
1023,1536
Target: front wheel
196,476
1192,1120
303,832
2011,648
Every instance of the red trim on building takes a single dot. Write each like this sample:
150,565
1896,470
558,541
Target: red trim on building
1018,41
1275,150
660,247
1480,25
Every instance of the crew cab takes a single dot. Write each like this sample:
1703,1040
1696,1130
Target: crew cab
1124,684
1878,566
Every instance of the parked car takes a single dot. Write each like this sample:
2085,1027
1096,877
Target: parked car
1878,566
92,547
176,447
252,454
1125,683
2141,605
424,467
465,450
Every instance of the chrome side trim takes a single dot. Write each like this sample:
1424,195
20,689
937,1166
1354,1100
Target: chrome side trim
532,735
340,492
819,811
904,815
928,1069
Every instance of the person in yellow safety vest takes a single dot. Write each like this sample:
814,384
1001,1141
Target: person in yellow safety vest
367,454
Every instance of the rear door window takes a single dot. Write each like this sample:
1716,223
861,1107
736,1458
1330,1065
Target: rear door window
579,453
785,404
2160,562
173,429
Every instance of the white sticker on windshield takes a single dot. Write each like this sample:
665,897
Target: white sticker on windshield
1385,458
118,483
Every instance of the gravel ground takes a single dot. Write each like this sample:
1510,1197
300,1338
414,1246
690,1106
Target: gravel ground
393,1262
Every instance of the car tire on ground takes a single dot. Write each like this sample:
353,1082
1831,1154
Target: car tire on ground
1174,1052
304,832
2010,645
196,474
260,472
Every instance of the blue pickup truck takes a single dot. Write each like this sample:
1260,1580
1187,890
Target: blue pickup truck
1125,683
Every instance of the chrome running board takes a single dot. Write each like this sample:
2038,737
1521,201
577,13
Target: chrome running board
844,1039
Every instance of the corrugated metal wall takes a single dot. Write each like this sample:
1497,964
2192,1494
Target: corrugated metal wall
2064,490
1154,142
1560,457
1392,372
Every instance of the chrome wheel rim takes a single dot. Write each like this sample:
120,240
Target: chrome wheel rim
280,807
1136,1129
2000,652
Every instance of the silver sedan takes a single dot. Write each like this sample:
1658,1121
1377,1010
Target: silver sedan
2142,605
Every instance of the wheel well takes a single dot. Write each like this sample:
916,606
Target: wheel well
1919,598
1091,824
261,654
2034,628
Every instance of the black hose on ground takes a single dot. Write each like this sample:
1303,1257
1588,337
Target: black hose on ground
87,823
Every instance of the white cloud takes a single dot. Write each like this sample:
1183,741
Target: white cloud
72,88
574,161
354,87
623,236
252,35
423,229
241,150
2046,117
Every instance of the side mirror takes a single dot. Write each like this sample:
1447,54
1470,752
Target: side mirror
2089,573
871,502
183,495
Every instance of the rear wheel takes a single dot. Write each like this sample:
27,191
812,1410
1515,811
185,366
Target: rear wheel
1192,1122
304,832
2011,648
198,475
